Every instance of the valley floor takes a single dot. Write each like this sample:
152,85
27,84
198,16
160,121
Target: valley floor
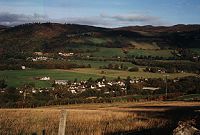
17,78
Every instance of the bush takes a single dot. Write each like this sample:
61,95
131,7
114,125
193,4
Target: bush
133,69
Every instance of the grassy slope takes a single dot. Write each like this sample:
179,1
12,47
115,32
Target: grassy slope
104,118
59,36
113,52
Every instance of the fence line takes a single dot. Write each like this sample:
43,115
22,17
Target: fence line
62,124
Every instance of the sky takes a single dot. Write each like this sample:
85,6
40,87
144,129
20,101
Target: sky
103,13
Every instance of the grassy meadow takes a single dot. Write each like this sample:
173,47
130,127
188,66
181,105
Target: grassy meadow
17,78
91,119
123,74
97,64
153,53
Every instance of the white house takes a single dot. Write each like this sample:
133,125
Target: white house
100,85
66,54
150,88
23,67
45,78
61,82
73,91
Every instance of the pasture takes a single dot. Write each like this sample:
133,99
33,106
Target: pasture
17,78
153,53
97,64
124,74
105,52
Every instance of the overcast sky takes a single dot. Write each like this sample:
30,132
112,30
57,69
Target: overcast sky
106,13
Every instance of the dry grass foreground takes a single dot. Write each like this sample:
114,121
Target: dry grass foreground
94,119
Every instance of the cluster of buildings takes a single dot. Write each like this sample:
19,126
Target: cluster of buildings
40,58
66,54
78,87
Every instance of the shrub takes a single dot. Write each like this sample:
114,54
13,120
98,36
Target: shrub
133,69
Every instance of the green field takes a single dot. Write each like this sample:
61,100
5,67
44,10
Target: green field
98,40
118,52
123,74
108,52
97,64
153,53
17,78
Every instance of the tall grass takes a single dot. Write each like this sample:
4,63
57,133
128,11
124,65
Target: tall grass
79,122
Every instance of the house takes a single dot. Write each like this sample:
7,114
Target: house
93,87
61,82
100,85
150,88
34,91
38,53
110,83
2,91
121,83
23,67
21,92
106,92
40,59
45,78
66,54
73,91
91,98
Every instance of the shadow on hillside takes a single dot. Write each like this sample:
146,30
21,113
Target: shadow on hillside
173,113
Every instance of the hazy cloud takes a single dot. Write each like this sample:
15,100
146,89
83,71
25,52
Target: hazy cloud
102,20
10,19
94,21
135,18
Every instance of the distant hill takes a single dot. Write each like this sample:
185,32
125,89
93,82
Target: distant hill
162,29
54,37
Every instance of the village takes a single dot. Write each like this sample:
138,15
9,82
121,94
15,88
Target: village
77,87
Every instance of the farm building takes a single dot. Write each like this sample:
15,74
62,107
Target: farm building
45,78
61,82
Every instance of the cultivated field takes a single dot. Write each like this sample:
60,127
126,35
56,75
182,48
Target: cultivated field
123,74
96,119
97,64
